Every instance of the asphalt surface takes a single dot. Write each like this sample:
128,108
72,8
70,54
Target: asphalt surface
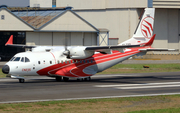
101,86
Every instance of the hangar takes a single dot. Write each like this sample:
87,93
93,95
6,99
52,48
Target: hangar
121,17
46,26
112,21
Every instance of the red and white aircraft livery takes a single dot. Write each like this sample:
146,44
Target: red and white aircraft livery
79,61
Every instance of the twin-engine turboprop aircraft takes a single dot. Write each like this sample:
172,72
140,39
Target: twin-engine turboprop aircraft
79,61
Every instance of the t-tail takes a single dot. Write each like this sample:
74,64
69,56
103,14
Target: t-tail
144,30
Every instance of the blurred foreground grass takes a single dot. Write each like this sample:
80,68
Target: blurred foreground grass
150,104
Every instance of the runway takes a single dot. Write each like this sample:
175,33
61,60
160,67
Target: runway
101,86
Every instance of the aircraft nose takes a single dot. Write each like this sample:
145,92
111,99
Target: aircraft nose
5,69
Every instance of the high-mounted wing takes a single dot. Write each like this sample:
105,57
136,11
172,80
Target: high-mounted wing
110,47
10,44
107,49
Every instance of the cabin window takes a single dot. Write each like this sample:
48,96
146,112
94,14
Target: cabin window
39,62
58,61
22,59
61,61
84,61
80,61
27,59
69,61
87,61
91,61
50,62
73,61
66,61
76,61
17,59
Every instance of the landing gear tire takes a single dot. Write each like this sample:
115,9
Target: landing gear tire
87,79
65,79
21,80
58,79
80,79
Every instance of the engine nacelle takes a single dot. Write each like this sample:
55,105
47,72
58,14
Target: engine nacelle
42,49
79,53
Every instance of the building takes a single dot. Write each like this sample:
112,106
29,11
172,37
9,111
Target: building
121,17
46,26
110,22
15,3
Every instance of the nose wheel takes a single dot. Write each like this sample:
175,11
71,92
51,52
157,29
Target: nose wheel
21,80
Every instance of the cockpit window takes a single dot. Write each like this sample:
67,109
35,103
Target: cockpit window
12,58
22,59
17,59
27,59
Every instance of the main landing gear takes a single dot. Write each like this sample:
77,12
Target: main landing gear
21,80
66,79
58,79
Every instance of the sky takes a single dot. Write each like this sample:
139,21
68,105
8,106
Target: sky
15,3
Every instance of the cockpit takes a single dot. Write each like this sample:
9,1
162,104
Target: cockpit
21,59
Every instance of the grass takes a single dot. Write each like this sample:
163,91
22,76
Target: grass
138,68
152,104
2,75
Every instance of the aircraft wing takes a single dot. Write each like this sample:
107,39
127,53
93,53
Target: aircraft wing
158,49
110,47
107,49
20,46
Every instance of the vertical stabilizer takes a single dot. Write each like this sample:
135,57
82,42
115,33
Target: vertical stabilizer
144,31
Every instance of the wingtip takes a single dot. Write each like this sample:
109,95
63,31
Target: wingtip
10,41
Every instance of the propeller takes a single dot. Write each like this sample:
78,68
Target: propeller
66,52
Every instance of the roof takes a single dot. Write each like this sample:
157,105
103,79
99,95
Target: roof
36,17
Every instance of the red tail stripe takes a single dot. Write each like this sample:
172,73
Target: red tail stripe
149,24
147,29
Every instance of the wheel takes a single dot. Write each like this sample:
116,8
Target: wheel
80,79
65,79
21,80
87,79
58,79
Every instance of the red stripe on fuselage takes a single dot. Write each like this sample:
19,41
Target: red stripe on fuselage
54,57
76,69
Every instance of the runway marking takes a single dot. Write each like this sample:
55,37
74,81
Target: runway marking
25,101
140,86
99,76
145,87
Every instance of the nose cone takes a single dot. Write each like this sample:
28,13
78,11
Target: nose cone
5,69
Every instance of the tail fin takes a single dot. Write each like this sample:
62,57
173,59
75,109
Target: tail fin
144,31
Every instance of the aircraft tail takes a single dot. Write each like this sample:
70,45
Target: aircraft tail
144,30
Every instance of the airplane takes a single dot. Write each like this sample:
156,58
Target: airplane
81,62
